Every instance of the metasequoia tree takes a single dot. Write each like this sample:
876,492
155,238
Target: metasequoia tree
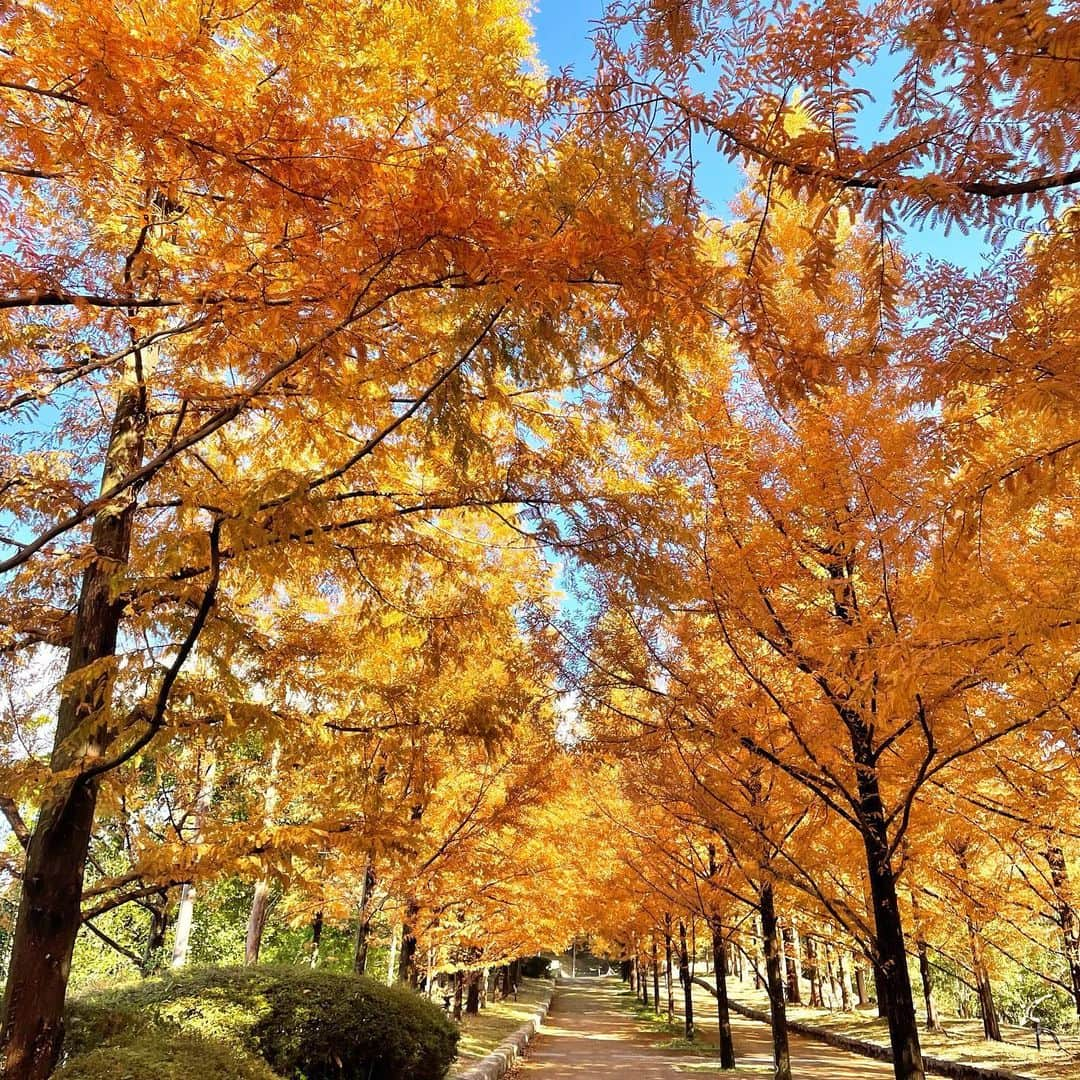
253,251
820,551
968,101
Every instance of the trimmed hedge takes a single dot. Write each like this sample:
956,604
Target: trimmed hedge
306,1025
160,1056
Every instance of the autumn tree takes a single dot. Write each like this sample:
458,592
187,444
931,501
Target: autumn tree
270,285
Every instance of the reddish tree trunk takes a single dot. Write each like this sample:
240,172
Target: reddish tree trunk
50,902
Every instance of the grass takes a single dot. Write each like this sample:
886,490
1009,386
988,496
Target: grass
480,1034
701,1054
961,1040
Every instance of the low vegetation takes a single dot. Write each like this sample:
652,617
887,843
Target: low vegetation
302,1024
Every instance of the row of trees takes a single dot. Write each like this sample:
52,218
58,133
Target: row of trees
335,341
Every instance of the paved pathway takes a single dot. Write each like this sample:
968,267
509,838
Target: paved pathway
590,1033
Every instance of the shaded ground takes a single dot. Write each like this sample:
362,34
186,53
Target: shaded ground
480,1034
962,1040
593,1032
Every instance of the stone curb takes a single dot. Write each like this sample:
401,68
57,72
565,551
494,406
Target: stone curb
937,1066
499,1062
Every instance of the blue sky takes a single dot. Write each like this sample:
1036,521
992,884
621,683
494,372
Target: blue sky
562,36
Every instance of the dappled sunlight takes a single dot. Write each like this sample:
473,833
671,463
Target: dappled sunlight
594,1032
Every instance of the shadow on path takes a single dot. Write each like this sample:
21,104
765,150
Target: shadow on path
591,1033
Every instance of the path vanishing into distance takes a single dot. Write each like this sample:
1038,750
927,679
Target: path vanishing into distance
590,1032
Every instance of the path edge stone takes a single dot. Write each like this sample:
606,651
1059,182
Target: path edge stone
957,1070
500,1061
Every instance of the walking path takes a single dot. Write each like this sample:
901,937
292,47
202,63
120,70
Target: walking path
590,1033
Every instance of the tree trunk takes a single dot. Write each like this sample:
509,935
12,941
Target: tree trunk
459,992
407,972
793,994
830,975
723,1017
155,940
50,911
860,985
472,997
991,1026
927,985
185,915
391,963
813,972
774,983
881,991
688,986
759,952
844,978
260,904
1067,919
316,937
363,928
890,951
670,980
655,977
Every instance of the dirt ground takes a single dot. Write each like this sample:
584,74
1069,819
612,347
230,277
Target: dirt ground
590,1032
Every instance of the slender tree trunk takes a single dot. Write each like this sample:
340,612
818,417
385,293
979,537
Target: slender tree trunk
459,993
813,972
670,980
720,971
391,964
860,985
723,1016
925,971
50,911
688,986
155,940
830,975
316,938
185,912
185,916
774,982
407,972
759,953
793,994
655,977
363,928
261,901
991,1026
260,905
844,978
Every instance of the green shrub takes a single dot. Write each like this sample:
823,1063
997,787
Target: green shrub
160,1056
305,1024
